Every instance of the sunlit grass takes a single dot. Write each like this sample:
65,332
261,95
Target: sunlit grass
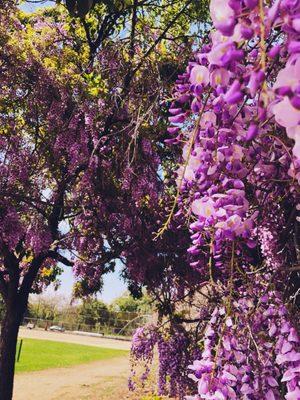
37,355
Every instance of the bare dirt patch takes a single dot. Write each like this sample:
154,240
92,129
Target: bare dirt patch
109,376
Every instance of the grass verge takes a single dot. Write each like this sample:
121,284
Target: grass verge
37,355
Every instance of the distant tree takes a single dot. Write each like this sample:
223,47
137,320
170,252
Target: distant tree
43,308
127,303
92,312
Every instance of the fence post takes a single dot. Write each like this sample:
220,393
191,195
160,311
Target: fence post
19,350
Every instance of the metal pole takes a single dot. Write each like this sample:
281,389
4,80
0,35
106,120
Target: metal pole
19,351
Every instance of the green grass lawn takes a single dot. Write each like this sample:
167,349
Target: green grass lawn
43,354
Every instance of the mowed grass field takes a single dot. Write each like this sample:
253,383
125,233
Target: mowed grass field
38,355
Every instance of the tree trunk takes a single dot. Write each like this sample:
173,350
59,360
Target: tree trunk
8,343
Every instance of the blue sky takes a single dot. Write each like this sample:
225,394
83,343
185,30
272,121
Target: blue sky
31,6
114,286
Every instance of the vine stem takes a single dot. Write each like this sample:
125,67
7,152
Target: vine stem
191,144
263,49
228,311
263,35
231,279
212,282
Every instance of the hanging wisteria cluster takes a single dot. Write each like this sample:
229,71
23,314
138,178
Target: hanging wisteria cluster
236,115
175,351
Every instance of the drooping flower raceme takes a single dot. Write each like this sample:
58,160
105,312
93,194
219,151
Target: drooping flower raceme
236,116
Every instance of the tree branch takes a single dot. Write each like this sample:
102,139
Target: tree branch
30,276
3,286
159,39
59,257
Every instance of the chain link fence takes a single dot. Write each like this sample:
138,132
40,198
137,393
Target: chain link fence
114,324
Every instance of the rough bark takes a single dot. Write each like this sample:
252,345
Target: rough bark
8,343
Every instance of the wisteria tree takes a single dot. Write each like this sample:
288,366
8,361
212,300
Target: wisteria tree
80,152
86,178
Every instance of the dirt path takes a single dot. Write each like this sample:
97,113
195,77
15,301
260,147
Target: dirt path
101,380
109,376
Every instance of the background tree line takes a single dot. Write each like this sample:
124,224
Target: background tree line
91,314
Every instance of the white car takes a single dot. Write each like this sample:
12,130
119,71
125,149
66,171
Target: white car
56,328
